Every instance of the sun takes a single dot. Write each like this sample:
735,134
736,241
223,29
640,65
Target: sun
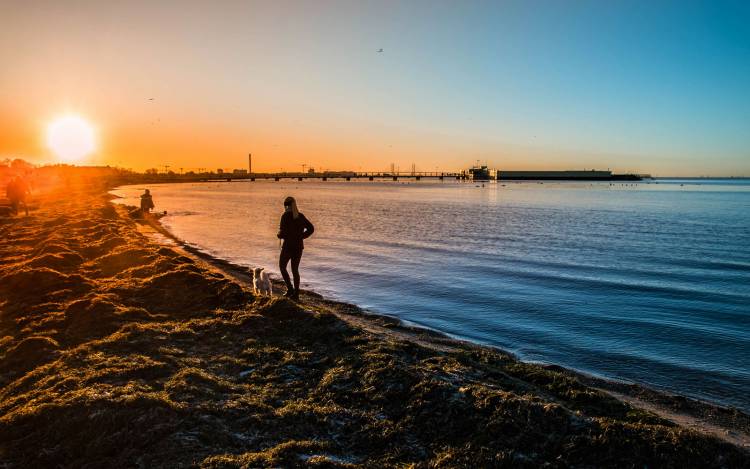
71,138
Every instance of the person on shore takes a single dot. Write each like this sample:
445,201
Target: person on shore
17,191
293,229
147,202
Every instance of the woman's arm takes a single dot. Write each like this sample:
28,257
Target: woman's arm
282,231
309,228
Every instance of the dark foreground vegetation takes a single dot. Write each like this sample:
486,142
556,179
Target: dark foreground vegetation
116,352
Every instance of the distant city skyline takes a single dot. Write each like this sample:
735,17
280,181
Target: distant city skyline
649,87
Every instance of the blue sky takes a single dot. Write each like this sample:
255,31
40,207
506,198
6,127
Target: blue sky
659,87
644,80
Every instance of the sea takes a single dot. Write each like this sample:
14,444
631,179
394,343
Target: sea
644,282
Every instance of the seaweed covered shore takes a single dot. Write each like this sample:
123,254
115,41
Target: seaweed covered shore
116,351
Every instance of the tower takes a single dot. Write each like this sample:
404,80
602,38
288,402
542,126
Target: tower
249,163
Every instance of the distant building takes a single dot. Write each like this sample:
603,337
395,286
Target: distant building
556,175
481,173
311,171
219,171
239,172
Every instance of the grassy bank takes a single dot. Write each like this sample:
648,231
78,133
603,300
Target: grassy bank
115,351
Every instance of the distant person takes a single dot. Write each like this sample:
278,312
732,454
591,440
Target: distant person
293,228
147,202
17,191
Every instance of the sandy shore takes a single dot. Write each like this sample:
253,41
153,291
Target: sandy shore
116,350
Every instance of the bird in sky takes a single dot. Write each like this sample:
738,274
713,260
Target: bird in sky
150,99
380,50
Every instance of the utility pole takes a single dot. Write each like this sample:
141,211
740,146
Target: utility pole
166,168
249,163
303,168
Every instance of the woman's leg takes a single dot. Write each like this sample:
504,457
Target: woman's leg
284,258
296,258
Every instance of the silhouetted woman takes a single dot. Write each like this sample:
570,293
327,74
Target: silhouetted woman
147,202
293,228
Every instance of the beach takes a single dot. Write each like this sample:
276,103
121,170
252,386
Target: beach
118,350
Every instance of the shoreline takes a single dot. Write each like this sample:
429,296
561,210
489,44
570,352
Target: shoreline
722,421
117,351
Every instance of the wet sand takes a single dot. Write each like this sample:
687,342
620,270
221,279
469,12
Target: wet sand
117,350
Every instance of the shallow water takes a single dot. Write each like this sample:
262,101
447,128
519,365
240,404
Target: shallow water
645,282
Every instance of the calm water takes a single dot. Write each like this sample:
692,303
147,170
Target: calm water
647,283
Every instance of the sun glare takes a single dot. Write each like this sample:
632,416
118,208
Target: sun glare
71,138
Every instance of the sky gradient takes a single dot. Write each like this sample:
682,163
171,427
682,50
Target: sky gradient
656,87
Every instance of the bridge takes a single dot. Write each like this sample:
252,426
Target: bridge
348,176
341,175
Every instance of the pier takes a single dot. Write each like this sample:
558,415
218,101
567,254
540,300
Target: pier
474,174
324,176
348,176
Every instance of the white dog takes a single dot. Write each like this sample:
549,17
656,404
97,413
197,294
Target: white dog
261,282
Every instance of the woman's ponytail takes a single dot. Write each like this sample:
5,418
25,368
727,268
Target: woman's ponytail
290,202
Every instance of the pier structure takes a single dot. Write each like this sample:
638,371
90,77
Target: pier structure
348,176
324,176
481,173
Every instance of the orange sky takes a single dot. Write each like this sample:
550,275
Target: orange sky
163,132
297,83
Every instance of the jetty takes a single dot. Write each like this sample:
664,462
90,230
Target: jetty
322,176
481,173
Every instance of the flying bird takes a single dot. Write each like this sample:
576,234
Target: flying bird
380,50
